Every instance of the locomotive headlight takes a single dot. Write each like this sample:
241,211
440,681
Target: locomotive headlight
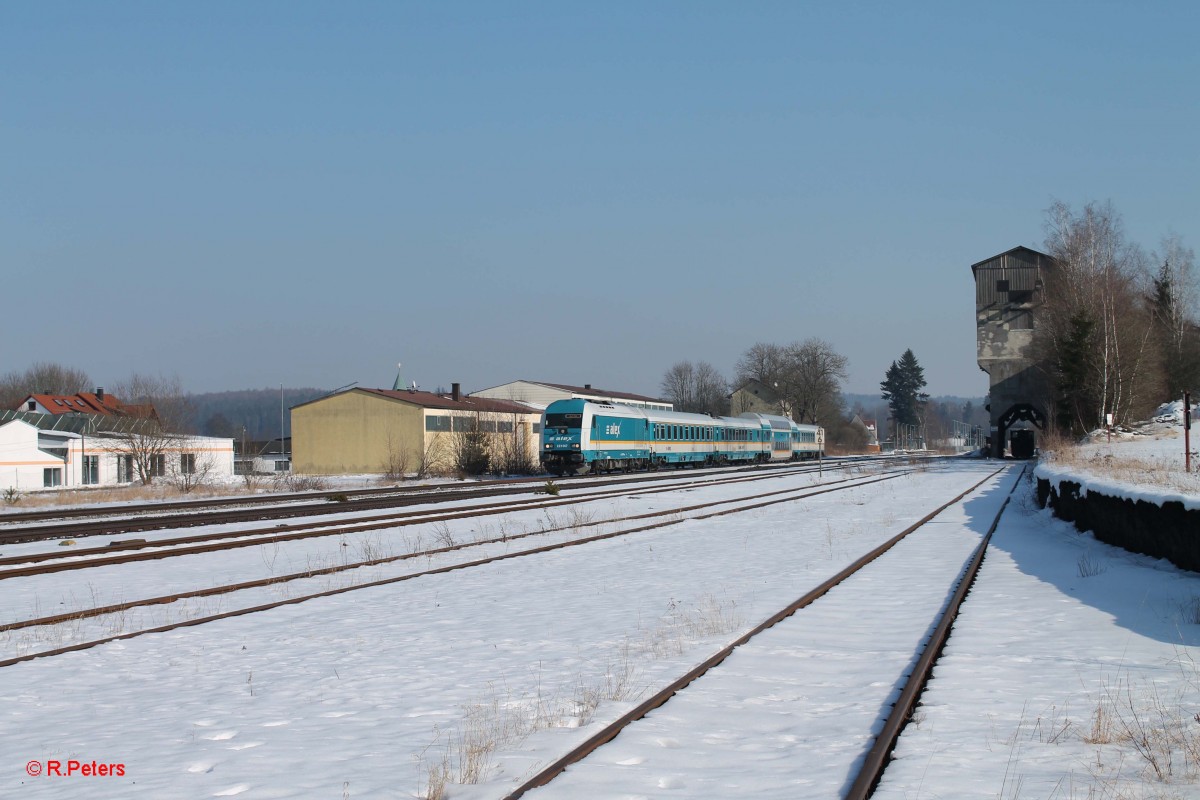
548,445
575,446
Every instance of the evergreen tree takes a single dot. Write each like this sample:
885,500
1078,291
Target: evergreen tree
902,387
1177,338
1076,385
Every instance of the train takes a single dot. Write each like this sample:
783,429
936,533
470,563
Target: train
587,436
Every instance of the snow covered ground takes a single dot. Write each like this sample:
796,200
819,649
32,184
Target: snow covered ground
367,694
1144,461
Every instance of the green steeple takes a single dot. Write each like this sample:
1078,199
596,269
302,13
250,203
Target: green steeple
399,384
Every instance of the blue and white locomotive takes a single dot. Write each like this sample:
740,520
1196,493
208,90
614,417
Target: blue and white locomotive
581,436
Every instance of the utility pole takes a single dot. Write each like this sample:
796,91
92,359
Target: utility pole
282,448
1187,431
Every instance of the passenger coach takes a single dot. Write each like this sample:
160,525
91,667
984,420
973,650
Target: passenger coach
583,436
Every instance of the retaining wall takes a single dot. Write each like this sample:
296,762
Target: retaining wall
1168,530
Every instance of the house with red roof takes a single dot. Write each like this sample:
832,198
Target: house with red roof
97,402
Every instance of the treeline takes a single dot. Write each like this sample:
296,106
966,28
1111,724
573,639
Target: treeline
1118,331
254,413
257,410
805,378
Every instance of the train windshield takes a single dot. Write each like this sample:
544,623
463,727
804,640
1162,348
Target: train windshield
564,420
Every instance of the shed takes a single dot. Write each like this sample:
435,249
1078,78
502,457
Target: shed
381,431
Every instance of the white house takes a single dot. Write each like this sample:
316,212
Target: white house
35,459
24,465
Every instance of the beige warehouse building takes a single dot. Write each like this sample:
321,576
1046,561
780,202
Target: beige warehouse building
396,430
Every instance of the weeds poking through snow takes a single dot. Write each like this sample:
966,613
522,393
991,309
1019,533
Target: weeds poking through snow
1189,610
464,755
442,534
1163,472
1090,566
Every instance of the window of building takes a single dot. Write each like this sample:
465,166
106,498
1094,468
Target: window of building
283,466
1002,286
157,465
32,405
52,476
187,463
125,469
437,422
91,470
504,427
537,427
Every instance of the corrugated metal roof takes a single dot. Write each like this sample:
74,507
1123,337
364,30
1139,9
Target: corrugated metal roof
594,392
464,403
1010,277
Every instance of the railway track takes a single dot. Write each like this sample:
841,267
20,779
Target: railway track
127,551
674,514
18,527
619,759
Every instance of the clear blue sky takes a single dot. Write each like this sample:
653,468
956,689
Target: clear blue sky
248,194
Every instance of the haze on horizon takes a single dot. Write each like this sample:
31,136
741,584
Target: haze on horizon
250,195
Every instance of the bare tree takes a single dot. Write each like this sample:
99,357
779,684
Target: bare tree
42,377
513,447
163,412
815,375
679,384
763,362
433,456
189,471
396,457
699,388
807,376
1097,335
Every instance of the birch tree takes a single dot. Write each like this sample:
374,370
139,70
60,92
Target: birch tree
1098,333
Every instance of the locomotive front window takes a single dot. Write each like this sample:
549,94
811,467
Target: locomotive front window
564,420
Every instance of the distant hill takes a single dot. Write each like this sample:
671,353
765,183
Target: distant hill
224,413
